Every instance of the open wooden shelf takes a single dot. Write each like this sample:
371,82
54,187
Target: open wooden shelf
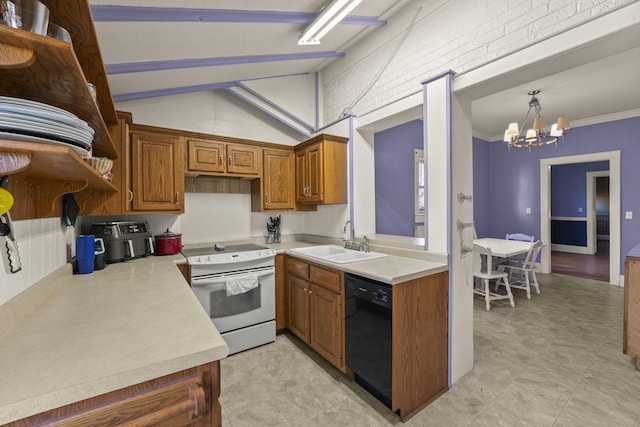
55,163
55,78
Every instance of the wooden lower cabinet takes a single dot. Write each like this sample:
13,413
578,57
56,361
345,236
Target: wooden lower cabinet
326,324
315,308
631,334
185,398
298,304
420,337
281,293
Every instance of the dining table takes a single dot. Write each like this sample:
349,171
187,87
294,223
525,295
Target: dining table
504,248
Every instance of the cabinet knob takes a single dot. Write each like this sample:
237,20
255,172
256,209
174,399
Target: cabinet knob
221,158
229,160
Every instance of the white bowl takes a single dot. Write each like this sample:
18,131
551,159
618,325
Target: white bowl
101,164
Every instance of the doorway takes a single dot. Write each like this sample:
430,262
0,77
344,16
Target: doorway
614,207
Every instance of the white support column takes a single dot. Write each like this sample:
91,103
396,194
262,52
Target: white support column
448,149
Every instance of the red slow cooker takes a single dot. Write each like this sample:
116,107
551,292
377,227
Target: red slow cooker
168,243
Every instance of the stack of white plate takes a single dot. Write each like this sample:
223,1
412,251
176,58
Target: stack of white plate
31,121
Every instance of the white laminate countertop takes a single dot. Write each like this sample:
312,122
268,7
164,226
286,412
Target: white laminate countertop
95,333
391,269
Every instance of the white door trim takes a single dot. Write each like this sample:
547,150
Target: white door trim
592,241
614,206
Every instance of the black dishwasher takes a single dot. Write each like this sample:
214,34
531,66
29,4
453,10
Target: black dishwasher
368,306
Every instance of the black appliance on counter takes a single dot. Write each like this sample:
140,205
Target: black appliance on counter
368,345
124,240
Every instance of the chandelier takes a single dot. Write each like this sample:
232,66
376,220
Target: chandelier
537,136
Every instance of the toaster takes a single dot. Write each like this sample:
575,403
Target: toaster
124,240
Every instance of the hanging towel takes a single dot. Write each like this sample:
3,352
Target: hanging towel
241,285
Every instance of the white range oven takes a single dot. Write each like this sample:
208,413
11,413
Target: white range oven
236,286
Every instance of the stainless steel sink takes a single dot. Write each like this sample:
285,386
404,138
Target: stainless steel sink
337,254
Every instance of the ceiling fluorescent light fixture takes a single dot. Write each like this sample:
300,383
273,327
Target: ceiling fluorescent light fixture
326,20
537,136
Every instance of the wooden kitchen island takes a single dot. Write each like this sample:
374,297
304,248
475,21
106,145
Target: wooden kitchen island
130,343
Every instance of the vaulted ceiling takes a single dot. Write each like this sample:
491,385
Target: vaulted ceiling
163,47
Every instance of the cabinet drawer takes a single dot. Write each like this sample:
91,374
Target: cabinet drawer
180,402
330,279
297,267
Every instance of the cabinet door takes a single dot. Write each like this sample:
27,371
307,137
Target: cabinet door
315,174
326,323
301,176
157,172
242,159
206,156
278,179
298,307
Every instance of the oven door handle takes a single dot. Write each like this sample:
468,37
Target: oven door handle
221,280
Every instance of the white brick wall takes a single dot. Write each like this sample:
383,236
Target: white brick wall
457,35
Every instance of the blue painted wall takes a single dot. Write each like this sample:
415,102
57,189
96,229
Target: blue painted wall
394,163
569,188
514,179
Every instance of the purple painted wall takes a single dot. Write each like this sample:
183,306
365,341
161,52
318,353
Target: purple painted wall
569,188
481,186
393,152
514,179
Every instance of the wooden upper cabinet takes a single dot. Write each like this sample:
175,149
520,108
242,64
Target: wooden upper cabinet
205,156
321,170
242,159
157,172
211,157
275,191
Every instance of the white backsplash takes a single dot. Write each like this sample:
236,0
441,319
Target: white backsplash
208,218
42,244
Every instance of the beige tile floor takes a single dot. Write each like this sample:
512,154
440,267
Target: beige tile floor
554,360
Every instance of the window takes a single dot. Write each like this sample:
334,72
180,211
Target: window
418,156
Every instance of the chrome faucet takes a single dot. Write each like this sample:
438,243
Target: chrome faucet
365,245
351,243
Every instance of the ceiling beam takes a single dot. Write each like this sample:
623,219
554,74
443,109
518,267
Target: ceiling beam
106,13
130,96
173,64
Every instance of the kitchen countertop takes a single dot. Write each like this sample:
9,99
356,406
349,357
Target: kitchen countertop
90,334
392,269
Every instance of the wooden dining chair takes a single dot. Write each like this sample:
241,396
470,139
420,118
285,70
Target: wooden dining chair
523,275
485,272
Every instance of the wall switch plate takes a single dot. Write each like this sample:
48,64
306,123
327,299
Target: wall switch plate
528,211
579,209
628,215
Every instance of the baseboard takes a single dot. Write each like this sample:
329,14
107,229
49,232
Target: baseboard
571,249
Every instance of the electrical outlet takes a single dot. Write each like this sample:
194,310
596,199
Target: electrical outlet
628,215
579,209
528,211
